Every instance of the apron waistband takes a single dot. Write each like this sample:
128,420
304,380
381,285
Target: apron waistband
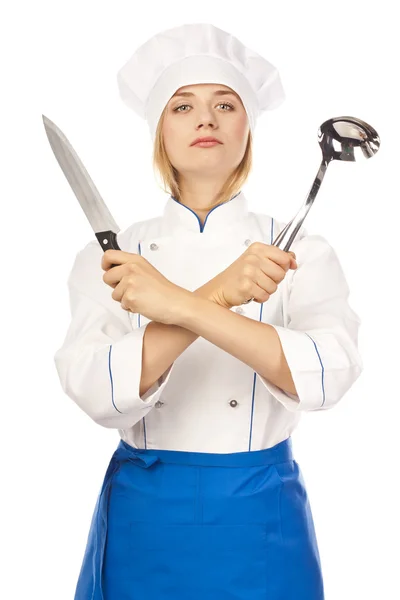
281,452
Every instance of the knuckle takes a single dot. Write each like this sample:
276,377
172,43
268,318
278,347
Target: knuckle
284,265
248,270
281,275
257,247
287,258
245,286
264,296
108,255
132,267
250,259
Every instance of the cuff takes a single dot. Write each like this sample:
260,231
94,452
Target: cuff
307,371
158,386
125,364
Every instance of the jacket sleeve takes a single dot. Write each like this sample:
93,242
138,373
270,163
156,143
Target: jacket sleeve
320,336
100,361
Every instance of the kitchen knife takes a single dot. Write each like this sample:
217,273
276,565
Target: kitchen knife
93,205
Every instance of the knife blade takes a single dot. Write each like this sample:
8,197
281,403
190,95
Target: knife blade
93,205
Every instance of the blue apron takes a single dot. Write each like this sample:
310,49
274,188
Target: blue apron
173,525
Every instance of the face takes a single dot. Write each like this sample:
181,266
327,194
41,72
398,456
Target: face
203,110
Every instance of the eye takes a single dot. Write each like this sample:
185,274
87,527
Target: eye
221,104
181,106
227,104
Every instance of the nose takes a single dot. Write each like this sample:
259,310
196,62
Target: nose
207,118
202,125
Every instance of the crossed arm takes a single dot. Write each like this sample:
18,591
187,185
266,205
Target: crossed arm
254,343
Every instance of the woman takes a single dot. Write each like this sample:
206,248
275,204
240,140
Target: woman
202,497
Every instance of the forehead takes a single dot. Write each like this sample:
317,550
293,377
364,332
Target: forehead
212,88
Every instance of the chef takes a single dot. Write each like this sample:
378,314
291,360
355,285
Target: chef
203,345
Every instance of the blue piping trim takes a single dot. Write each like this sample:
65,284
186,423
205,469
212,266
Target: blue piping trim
139,321
255,374
252,408
200,225
111,379
140,253
322,375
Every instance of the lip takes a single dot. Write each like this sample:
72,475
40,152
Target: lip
206,141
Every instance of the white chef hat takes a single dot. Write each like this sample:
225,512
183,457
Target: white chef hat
191,54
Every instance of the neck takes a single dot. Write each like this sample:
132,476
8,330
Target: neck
200,195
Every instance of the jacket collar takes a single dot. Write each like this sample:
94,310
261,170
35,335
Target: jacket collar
180,219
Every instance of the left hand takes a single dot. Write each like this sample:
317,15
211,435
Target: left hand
140,287
255,274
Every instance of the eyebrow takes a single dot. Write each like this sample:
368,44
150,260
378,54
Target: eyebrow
216,93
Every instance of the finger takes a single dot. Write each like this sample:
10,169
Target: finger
279,256
115,257
119,291
259,293
271,269
272,252
113,276
267,283
282,258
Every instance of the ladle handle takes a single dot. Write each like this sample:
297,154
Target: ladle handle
287,236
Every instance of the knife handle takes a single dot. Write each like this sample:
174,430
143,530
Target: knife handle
108,240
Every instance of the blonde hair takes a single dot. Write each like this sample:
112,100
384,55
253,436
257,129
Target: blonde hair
170,176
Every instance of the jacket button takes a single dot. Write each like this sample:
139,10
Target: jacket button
247,242
233,403
158,404
153,247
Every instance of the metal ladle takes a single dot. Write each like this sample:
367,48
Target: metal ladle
342,138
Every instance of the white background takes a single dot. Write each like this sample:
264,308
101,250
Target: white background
60,59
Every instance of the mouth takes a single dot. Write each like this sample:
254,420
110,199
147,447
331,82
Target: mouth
206,142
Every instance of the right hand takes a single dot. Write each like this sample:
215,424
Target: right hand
255,274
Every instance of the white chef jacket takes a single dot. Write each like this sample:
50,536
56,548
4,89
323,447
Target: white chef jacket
208,400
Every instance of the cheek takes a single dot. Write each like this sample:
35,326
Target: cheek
239,135
172,136
241,128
